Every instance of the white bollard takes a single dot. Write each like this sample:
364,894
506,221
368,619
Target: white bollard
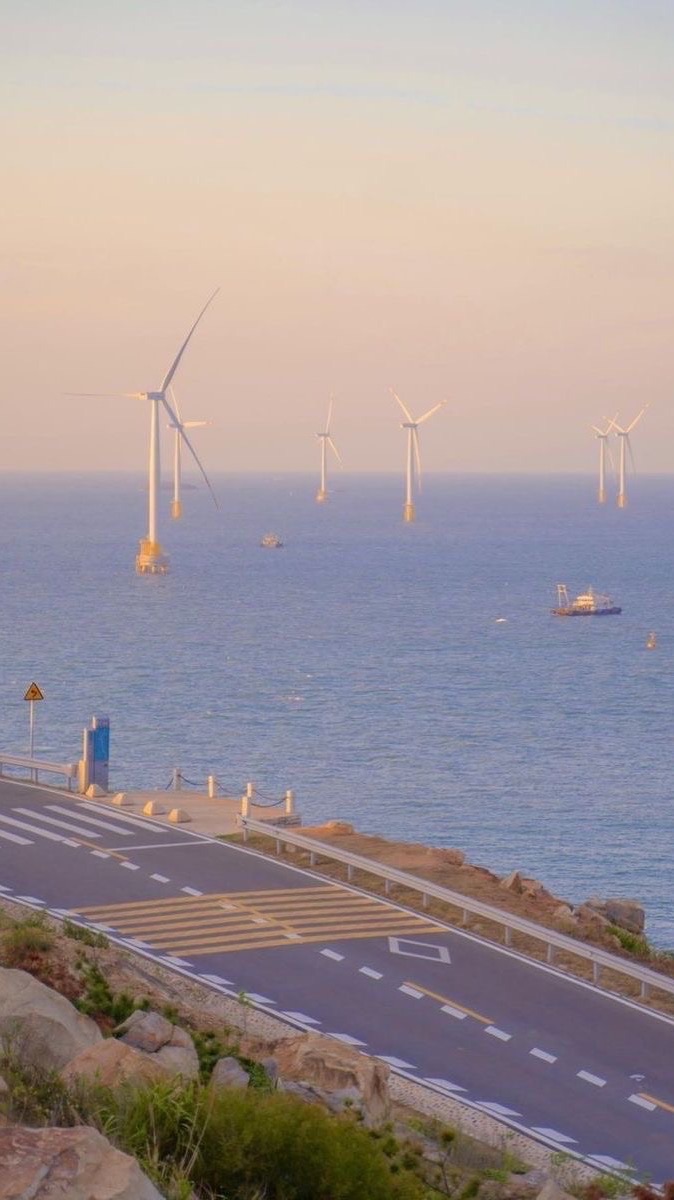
290,802
212,785
245,805
177,779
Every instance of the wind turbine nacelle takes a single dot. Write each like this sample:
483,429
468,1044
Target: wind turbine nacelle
155,395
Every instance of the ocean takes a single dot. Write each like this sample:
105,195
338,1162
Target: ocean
363,664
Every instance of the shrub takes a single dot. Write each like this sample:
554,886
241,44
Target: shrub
89,936
634,943
99,1000
26,940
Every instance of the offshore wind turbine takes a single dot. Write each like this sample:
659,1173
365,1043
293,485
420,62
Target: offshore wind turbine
178,427
602,436
413,455
326,440
151,559
625,448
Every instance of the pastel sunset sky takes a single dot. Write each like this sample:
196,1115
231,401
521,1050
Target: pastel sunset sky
471,200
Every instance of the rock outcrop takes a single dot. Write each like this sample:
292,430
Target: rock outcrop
169,1047
626,914
39,1025
331,1071
227,1074
77,1164
111,1063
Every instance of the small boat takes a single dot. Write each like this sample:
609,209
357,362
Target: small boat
271,541
588,604
651,641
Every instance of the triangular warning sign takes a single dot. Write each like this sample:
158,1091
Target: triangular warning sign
34,693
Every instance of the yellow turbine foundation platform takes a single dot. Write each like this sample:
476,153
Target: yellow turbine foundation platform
321,496
176,509
151,559
409,513
622,501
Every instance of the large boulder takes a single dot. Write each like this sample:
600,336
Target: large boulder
145,1030
512,883
228,1074
329,1067
111,1063
40,1026
178,1055
78,1163
627,914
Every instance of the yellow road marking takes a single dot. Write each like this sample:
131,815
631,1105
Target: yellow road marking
226,948
326,934
213,911
660,1103
191,900
452,1003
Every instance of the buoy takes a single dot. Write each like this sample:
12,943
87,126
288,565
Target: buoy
651,641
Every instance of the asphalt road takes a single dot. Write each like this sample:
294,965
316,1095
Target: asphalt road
581,1070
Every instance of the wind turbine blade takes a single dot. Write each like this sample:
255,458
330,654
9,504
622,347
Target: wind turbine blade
420,420
327,423
191,449
176,406
417,454
631,456
335,451
405,410
110,395
609,454
195,424
636,419
174,365
599,432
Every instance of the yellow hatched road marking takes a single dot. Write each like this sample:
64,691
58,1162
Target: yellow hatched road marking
326,932
190,900
227,947
660,1103
452,1003
174,917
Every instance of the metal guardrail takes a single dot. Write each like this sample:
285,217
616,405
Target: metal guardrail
35,765
509,922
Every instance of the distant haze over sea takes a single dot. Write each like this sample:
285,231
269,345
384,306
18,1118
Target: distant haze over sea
362,664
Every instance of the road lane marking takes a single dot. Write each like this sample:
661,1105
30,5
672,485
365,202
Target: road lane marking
31,899
451,1004
333,954
607,1160
218,979
160,845
258,999
498,1033
543,1054
118,828
635,1098
499,1110
39,816
658,1103
347,1039
370,973
129,865
68,812
444,1083
298,1016
43,833
99,853
411,991
160,878
554,1135
589,1078
398,1063
20,841
453,1012
190,891
395,946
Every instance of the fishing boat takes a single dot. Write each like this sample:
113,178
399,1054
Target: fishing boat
271,541
651,641
588,604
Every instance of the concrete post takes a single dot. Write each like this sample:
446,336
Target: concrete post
290,802
212,785
250,792
245,805
177,780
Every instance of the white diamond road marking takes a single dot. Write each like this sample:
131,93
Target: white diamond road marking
40,816
444,1083
607,1161
191,891
298,1016
68,812
410,991
333,954
553,1134
400,946
499,1109
119,828
14,837
370,973
548,1058
588,1078
45,833
454,1012
347,1039
218,979
635,1099
130,866
160,878
498,1033
258,999
397,1062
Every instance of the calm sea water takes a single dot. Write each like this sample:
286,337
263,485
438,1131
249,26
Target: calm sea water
362,664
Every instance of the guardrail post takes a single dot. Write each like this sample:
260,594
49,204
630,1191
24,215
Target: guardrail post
424,899
387,887
245,830
245,805
212,786
312,858
464,917
290,802
278,845
507,935
645,990
349,872
551,954
596,972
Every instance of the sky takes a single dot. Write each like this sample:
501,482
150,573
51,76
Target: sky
468,200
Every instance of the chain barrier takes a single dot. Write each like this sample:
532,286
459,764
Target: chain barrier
259,799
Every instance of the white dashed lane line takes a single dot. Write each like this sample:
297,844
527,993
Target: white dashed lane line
499,1110
635,1099
298,1016
498,1033
454,1012
410,991
99,854
160,878
543,1054
370,973
190,891
397,1062
333,954
129,865
587,1077
554,1135
444,1083
347,1039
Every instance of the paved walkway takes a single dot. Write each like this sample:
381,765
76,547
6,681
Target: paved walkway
213,816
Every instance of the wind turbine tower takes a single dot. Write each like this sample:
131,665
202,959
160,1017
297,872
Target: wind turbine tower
326,440
625,448
602,436
151,559
177,502
412,477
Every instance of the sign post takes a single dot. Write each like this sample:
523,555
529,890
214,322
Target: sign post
33,693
